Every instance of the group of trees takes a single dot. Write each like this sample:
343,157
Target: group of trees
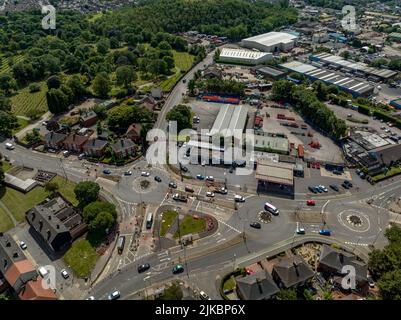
119,118
99,215
385,265
182,115
393,64
310,106
7,120
225,87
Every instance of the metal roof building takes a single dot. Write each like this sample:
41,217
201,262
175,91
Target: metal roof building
271,42
358,68
230,118
348,84
244,56
275,172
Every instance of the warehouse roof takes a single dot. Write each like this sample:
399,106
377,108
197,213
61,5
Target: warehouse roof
329,76
276,172
231,118
242,53
272,38
270,71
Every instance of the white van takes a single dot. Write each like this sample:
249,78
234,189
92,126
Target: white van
10,146
43,272
272,209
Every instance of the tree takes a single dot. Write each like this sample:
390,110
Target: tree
54,82
51,187
101,85
1,174
102,222
287,294
174,292
389,285
94,208
182,115
191,87
5,103
7,83
345,54
57,101
103,46
34,87
125,76
86,192
8,122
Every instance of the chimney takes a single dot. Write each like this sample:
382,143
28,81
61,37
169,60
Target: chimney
122,142
40,225
50,217
48,234
296,268
15,255
58,226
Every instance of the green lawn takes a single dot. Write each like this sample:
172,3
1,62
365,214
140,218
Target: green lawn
167,220
229,284
25,101
22,123
392,172
5,221
183,60
81,258
18,203
6,165
189,225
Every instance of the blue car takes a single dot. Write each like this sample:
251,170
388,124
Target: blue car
200,177
324,232
106,171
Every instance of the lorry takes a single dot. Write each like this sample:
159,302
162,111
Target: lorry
180,197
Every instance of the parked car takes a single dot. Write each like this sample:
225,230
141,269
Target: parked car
312,189
81,156
66,153
23,245
143,267
128,173
324,232
209,178
158,179
337,172
172,184
184,169
114,295
239,198
178,268
322,187
371,282
65,274
107,171
200,177
204,296
189,189
300,230
91,298
255,225
145,174
209,194
334,187
310,202
348,183
9,146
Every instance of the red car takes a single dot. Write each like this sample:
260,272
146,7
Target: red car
310,202
317,164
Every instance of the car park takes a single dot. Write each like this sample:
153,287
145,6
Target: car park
114,295
145,174
64,274
23,245
178,268
255,225
310,202
158,179
143,267
172,184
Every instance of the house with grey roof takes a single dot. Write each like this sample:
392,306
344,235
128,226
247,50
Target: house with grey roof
258,286
123,148
54,140
291,272
95,147
332,262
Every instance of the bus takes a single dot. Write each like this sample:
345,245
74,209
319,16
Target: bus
149,220
120,244
272,209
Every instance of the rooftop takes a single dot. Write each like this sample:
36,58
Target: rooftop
276,172
230,117
258,286
242,53
292,271
272,38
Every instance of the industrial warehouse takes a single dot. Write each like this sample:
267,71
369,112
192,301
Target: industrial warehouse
271,42
243,56
346,83
358,68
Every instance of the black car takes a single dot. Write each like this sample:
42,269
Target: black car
172,185
158,179
334,187
312,189
345,186
256,225
348,183
231,170
143,267
184,169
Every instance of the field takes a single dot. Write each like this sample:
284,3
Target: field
167,220
190,225
24,101
5,67
81,258
5,221
18,203
22,123
183,62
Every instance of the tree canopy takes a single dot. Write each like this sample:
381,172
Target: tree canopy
182,115
86,192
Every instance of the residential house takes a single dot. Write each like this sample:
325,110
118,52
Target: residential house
54,140
18,272
95,147
291,272
75,142
258,286
332,261
134,132
148,102
123,148
88,119
56,222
